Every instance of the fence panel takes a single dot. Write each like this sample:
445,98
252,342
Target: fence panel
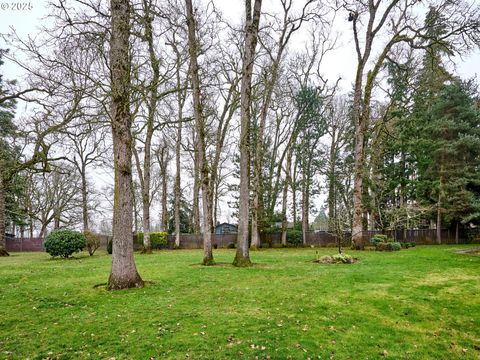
24,244
420,236
321,238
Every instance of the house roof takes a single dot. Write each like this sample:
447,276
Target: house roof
225,224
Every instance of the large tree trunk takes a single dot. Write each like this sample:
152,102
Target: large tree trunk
215,204
124,272
176,190
242,257
163,162
30,227
152,108
332,191
164,216
201,138
84,199
255,241
178,168
284,214
305,208
440,199
135,211
43,230
147,246
361,105
56,222
357,226
457,225
3,243
293,186
439,220
196,195
258,161
285,196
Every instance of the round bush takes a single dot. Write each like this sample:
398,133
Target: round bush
378,238
158,240
64,243
388,246
294,237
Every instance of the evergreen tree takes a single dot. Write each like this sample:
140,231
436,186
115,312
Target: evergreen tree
455,145
8,157
432,78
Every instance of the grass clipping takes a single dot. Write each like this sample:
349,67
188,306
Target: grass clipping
336,259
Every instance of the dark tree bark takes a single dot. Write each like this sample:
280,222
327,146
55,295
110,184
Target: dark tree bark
3,244
196,195
84,200
177,190
242,257
124,272
440,199
163,159
201,130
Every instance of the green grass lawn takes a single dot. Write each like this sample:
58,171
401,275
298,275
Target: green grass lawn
420,303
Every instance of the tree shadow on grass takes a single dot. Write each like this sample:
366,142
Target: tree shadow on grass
228,265
70,258
103,286
471,252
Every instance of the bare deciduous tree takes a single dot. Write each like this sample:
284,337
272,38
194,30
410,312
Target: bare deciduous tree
252,22
124,272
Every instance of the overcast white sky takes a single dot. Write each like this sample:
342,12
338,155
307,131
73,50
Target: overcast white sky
340,62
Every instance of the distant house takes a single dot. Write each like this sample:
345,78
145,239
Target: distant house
226,228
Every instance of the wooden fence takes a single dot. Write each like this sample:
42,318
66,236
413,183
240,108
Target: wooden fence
420,236
28,244
24,244
317,239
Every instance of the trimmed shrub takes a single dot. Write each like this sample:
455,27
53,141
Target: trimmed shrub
231,246
64,243
92,241
378,238
294,237
158,240
395,246
109,246
407,245
388,246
